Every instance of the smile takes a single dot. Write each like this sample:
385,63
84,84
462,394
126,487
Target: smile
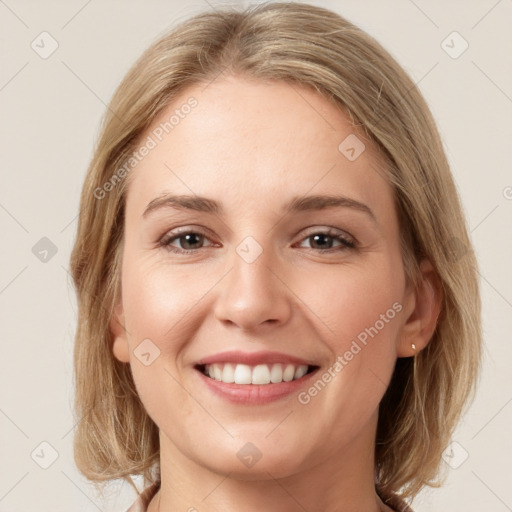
259,374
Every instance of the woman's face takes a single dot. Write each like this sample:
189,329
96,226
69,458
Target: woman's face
274,282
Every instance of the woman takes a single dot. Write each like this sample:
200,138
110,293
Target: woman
278,301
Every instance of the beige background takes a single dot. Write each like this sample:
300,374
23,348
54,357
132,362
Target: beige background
50,113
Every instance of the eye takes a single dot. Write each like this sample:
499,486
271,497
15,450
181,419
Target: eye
324,239
189,241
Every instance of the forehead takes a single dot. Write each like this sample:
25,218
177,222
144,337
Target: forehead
239,139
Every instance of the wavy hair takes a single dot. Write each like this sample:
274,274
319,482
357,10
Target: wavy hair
314,47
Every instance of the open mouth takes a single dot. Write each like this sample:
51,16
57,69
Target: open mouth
260,374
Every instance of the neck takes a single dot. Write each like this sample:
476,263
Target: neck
344,481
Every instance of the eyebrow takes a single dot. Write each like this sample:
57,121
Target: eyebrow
295,205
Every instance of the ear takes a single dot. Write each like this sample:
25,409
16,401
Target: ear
120,346
423,306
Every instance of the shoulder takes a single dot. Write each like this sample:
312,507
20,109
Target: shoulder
142,502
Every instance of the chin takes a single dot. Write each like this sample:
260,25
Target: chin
251,464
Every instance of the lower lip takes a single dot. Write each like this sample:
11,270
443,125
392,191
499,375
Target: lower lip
255,394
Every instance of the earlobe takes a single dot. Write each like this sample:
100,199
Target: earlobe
120,347
423,313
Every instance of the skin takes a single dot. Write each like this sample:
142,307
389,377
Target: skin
253,145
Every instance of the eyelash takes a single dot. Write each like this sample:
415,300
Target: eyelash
166,241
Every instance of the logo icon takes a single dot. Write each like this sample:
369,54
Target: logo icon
351,147
44,455
455,455
44,250
454,45
249,455
146,352
44,45
249,249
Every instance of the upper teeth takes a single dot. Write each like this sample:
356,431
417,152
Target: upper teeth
259,374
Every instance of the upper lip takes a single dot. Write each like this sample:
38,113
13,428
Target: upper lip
252,358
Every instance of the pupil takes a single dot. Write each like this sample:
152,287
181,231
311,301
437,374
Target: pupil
315,238
188,236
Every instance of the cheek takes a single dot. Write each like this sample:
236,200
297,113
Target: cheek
348,300
157,305
363,312
158,299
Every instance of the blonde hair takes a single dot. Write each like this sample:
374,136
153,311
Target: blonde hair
314,47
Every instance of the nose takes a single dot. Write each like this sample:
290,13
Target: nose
254,295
